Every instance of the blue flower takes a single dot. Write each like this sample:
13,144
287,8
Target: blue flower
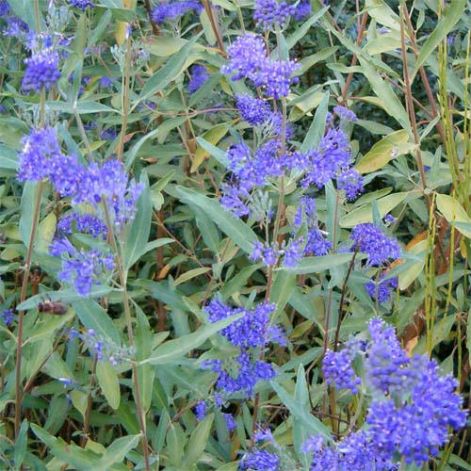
199,76
345,113
42,70
173,10
40,151
372,241
7,316
253,110
351,182
84,223
269,14
81,4
381,290
260,460
201,409
338,368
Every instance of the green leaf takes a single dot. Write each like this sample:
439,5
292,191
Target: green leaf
21,443
453,212
452,14
198,441
365,213
312,424
46,231
136,240
81,107
169,72
302,30
8,158
93,316
386,149
66,296
118,450
317,128
30,192
384,91
173,350
67,452
311,265
233,227
300,434
109,383
212,150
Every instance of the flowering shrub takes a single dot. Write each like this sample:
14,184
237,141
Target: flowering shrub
235,235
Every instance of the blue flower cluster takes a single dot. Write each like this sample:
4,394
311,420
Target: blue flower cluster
412,407
372,241
381,290
260,460
199,76
106,185
248,59
81,268
250,334
102,348
253,110
7,317
81,4
42,70
270,14
173,10
84,223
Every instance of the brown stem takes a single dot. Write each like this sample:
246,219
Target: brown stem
342,300
410,105
214,25
361,30
21,314
148,7
423,74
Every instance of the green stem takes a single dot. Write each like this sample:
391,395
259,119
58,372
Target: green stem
122,274
125,96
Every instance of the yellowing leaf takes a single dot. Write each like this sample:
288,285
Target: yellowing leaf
408,276
453,212
46,231
385,150
213,136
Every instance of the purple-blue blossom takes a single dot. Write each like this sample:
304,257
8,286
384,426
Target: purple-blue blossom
81,268
253,110
303,10
250,330
345,113
84,223
198,77
42,71
201,409
40,149
317,243
260,460
381,290
81,4
351,182
331,157
338,369
372,241
7,317
248,59
270,14
173,10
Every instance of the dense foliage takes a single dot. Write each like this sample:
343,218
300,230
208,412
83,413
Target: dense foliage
235,235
